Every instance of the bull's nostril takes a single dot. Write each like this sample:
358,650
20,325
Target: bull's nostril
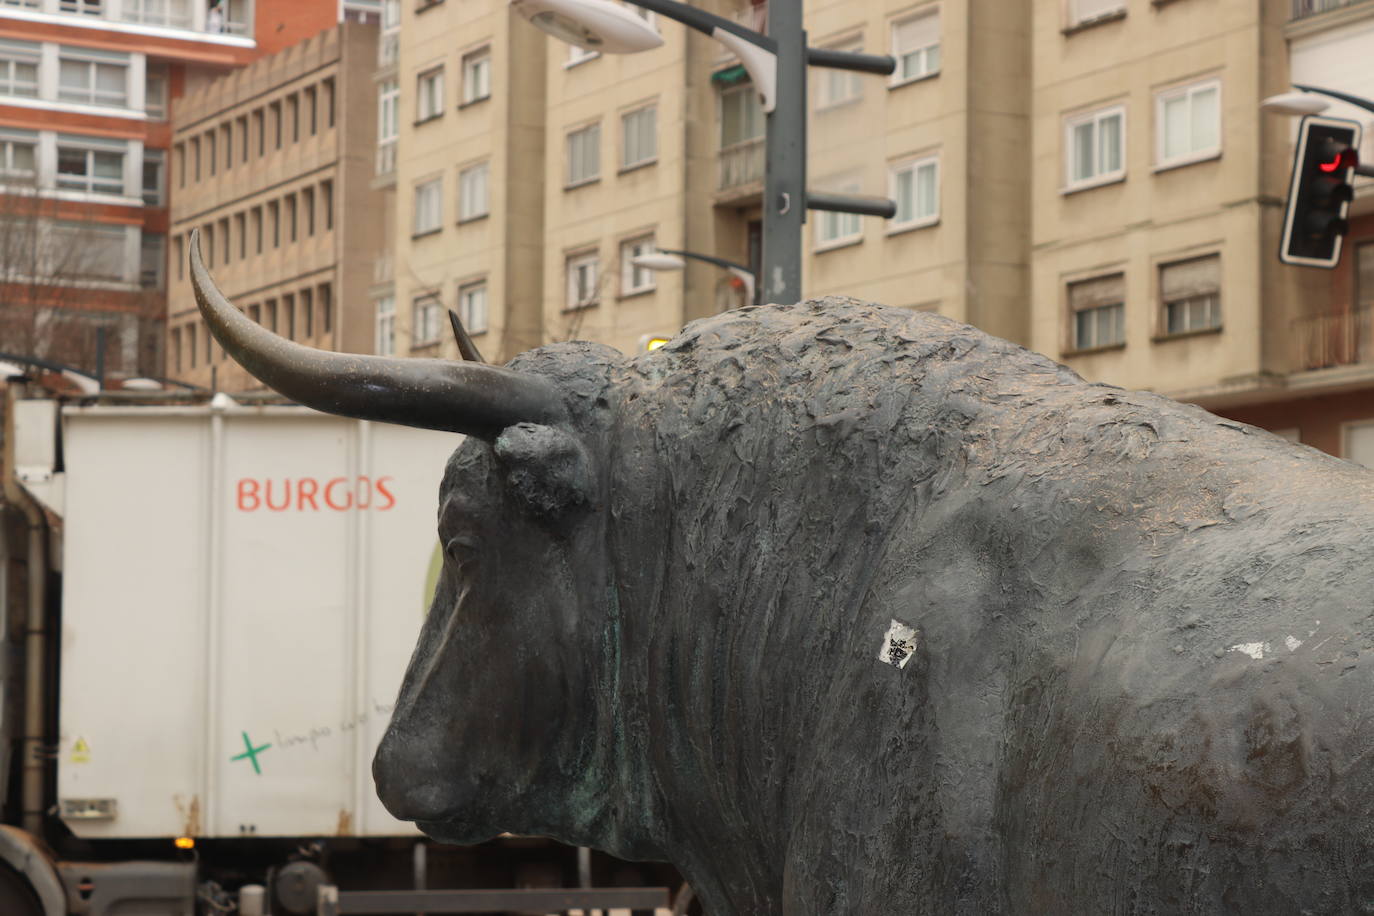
409,793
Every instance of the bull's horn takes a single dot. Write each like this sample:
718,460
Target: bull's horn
461,397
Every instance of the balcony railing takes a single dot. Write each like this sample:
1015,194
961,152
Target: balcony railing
1338,338
233,17
388,49
1304,8
741,164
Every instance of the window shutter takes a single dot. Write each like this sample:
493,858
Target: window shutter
1088,294
1186,279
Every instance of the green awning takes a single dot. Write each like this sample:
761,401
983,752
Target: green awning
730,76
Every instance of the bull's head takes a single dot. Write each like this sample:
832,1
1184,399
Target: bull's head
502,722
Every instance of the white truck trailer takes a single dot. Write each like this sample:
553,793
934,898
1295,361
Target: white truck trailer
240,589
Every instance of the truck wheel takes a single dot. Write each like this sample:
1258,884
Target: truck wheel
17,898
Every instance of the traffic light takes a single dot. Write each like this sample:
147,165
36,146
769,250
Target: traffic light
1319,194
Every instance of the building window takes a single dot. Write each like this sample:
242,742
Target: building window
307,313
275,110
210,157
19,68
583,287
1084,11
207,232
90,164
191,344
18,156
293,117
173,13
1189,123
327,92
472,307
1357,443
274,223
1093,145
154,177
916,45
290,200
424,320
174,347
195,159
269,315
327,201
1190,295
385,309
155,92
1364,276
260,129
428,206
226,134
241,230
584,155
634,278
326,308
472,192
839,87
835,229
99,248
152,257
639,136
308,206
311,99
476,76
256,216
179,252
93,77
1097,311
225,240
915,186
288,312
429,94
388,125
243,138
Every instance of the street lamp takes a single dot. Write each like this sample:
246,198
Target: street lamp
777,64
672,259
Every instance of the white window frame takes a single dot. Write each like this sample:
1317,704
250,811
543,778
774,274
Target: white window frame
1188,91
1212,305
91,94
384,336
1101,176
836,230
87,182
477,75
429,196
926,51
1075,344
585,265
572,138
426,310
174,14
645,158
14,54
156,85
836,88
474,192
429,93
633,278
474,307
914,166
1082,12
388,124
11,137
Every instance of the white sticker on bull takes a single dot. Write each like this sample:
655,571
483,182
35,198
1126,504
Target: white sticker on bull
1255,650
899,644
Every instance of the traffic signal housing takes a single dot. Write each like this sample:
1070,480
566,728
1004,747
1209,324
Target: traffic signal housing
1320,192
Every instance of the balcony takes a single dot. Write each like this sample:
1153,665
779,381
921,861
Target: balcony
1339,338
1304,8
741,164
232,18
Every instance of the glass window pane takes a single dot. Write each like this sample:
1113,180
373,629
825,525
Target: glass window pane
925,191
1205,121
1109,134
905,193
1083,151
1176,127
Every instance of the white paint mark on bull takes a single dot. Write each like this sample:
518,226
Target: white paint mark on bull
899,644
1292,643
1255,650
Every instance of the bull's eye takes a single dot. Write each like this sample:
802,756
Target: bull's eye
461,549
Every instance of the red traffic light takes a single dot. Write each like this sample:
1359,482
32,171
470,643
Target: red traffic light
1343,159
1320,192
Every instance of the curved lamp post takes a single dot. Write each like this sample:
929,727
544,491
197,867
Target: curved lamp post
777,64
672,259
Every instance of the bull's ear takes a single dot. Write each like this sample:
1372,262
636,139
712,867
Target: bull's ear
547,470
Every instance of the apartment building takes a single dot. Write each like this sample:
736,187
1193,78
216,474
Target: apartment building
87,91
1158,190
264,163
464,108
1092,178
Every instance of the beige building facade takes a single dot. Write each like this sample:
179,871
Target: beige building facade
1092,178
265,164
